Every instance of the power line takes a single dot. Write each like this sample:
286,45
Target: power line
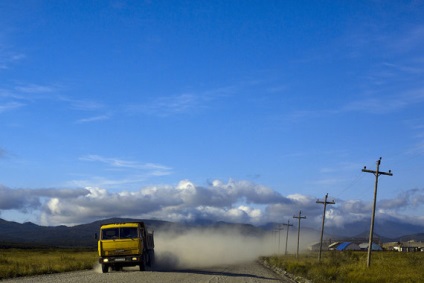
350,185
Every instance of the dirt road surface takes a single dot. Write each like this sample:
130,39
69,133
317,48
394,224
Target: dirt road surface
245,272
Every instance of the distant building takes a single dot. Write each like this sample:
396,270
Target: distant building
315,246
409,246
333,246
355,245
348,246
374,247
391,246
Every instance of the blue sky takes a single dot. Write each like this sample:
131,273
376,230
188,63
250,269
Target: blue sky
245,111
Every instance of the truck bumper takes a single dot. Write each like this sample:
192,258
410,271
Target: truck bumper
121,260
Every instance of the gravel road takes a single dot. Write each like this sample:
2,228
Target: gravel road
246,272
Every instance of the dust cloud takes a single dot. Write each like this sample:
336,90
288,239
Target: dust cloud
97,268
210,247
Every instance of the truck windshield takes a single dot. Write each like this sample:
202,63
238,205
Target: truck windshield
119,233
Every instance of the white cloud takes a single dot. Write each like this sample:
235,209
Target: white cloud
35,88
29,199
232,201
93,119
386,105
8,56
169,105
54,206
184,103
109,182
82,104
22,95
410,40
152,168
9,106
96,193
298,198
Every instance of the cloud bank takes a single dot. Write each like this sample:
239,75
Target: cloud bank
232,201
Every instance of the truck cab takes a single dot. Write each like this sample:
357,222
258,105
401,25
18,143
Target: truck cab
125,244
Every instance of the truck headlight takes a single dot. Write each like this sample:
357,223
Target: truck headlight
105,260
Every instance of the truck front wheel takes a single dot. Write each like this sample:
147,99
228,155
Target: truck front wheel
151,259
142,266
143,261
105,268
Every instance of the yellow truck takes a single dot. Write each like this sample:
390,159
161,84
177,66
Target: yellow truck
125,244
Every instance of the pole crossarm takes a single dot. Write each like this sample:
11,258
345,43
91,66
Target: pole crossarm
379,172
376,173
288,224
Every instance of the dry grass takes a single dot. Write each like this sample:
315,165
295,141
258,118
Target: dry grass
351,267
25,262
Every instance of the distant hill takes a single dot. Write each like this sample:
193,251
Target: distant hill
386,229
416,237
62,236
31,235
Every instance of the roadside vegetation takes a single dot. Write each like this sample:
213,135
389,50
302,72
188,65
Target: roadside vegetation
15,262
351,266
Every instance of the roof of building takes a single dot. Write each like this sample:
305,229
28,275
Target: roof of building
333,245
343,246
375,247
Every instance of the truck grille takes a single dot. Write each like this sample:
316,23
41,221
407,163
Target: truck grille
119,252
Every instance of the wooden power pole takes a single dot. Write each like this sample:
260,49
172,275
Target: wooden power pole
325,202
278,229
299,217
287,236
377,173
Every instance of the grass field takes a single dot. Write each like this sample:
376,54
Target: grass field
334,267
351,267
25,262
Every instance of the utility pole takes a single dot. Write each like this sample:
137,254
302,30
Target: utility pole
299,217
377,173
275,238
287,236
278,229
325,202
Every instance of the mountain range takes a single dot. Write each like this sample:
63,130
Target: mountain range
32,235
